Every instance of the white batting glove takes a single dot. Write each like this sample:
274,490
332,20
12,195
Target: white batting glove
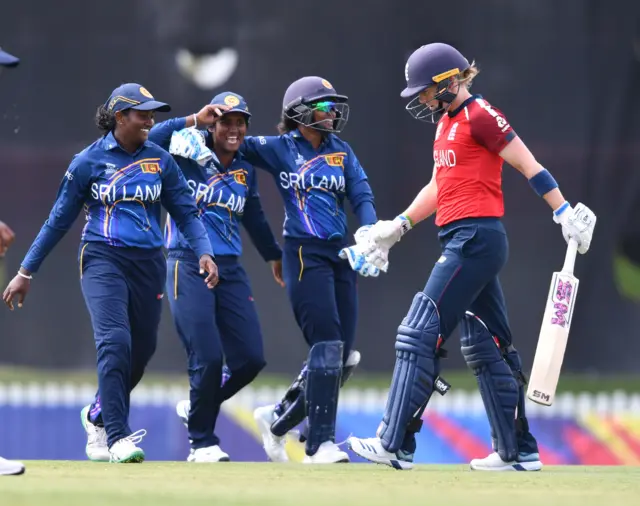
190,143
577,223
356,257
378,257
386,233
362,235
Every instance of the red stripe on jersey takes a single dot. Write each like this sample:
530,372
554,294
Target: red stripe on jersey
468,167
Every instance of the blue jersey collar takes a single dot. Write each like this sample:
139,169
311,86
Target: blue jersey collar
109,143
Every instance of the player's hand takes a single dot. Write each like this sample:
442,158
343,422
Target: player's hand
577,223
385,233
17,288
378,256
209,266
210,113
356,257
362,235
276,269
6,238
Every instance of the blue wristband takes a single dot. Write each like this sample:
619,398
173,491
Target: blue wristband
561,209
543,182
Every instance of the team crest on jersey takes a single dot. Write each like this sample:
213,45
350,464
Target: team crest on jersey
150,168
240,178
438,130
111,168
335,160
452,132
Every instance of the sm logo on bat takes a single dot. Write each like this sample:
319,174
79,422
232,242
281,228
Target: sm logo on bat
150,168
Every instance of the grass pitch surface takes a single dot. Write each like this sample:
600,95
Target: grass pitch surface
48,483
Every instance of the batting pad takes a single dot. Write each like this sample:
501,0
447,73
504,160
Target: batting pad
324,372
415,370
499,388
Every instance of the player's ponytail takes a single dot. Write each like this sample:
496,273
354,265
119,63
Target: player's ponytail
105,120
286,125
468,75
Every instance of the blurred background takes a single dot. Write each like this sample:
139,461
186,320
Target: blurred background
565,73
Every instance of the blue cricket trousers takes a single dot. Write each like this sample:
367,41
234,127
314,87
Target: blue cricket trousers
215,326
322,289
123,290
465,277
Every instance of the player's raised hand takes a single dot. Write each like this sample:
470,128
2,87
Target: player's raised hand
18,289
210,113
209,266
6,238
577,223
276,269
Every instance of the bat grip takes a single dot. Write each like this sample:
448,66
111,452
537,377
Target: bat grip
570,257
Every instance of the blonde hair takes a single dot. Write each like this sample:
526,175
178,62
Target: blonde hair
468,75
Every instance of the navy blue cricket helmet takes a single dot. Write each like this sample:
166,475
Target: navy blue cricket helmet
314,93
433,64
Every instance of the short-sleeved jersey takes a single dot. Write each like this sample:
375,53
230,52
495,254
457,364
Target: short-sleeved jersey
467,162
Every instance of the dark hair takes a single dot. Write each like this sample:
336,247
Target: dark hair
286,125
106,120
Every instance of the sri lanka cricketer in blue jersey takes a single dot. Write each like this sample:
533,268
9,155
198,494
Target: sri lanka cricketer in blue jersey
315,171
121,180
222,324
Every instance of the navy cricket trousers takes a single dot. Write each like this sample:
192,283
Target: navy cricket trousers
465,277
123,290
322,289
215,326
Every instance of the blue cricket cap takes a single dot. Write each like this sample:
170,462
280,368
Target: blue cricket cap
8,60
233,100
134,96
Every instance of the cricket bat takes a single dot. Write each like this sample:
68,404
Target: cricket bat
554,333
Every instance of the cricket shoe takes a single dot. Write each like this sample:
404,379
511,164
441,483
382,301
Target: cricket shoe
208,454
10,467
125,451
372,450
493,462
273,445
97,449
328,453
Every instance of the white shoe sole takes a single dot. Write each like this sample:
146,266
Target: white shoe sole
536,465
371,456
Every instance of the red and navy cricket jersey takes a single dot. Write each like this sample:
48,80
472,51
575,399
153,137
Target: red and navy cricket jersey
467,161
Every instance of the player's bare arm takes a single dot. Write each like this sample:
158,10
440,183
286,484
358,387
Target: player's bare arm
520,158
425,203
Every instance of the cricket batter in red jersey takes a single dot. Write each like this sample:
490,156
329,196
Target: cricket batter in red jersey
472,140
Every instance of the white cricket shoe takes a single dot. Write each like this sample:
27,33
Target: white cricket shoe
328,453
125,450
372,450
273,445
209,454
493,462
97,449
10,467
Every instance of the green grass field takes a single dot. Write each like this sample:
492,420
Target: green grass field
48,483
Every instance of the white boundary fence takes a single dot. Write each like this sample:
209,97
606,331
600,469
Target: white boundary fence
351,399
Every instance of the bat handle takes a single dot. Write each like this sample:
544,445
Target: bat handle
570,257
